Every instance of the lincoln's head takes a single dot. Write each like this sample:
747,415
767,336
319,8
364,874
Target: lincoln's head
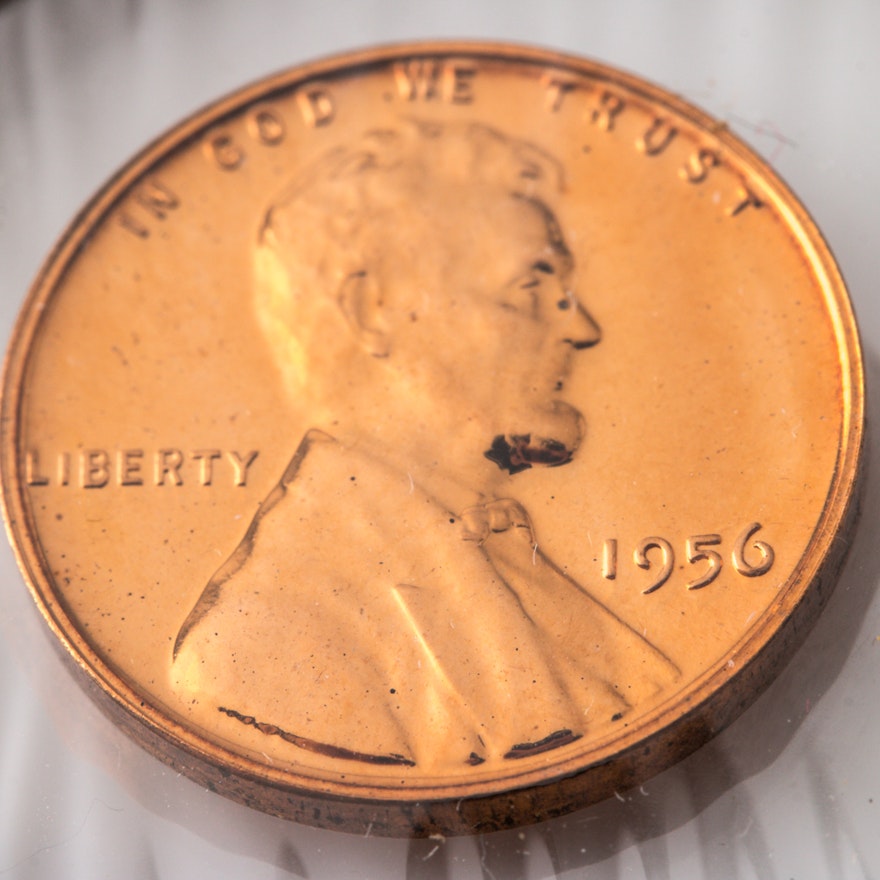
418,281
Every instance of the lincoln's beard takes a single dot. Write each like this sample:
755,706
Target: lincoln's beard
554,437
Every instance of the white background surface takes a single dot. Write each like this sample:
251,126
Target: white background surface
792,789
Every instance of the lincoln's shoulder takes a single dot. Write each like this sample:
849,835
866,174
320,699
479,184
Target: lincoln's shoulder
326,477
315,443
320,458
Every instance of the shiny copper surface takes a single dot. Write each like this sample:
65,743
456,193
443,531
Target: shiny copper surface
434,439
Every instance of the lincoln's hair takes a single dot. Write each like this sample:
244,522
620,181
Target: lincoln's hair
339,217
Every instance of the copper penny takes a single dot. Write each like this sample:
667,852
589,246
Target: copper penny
434,439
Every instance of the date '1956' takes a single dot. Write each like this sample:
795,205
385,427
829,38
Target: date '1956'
750,557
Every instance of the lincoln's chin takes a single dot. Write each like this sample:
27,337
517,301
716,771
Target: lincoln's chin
558,431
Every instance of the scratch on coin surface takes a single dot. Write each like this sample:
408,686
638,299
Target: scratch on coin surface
118,352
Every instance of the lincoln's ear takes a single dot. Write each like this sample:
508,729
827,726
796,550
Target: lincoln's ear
361,303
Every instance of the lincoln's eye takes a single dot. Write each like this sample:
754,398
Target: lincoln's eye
543,266
563,304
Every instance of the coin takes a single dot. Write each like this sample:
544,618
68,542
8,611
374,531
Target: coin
434,439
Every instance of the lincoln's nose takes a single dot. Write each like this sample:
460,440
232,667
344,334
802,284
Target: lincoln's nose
581,331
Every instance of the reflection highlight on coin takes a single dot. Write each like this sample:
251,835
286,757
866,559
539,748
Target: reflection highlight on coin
483,462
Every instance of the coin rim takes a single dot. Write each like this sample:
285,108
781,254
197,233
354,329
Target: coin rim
652,742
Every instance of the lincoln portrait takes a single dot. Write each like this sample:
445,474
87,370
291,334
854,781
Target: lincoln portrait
390,602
